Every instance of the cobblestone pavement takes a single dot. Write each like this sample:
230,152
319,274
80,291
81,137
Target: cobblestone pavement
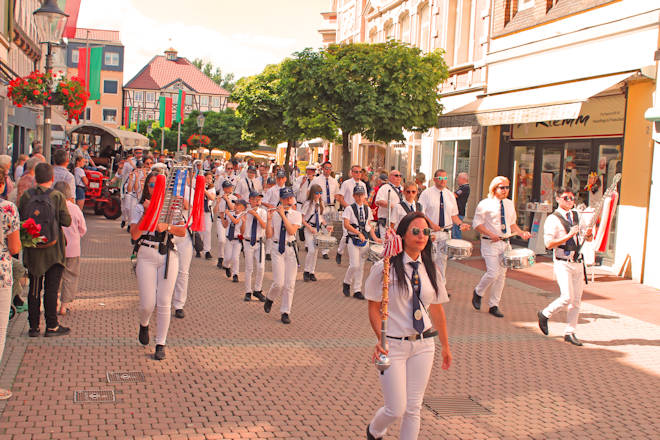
233,372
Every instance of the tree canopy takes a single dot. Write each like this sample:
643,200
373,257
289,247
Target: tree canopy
226,81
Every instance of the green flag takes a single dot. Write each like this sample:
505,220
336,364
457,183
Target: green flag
95,63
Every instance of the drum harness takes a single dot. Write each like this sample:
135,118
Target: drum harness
576,247
361,226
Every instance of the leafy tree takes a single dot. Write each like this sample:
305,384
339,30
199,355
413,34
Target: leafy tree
224,128
226,81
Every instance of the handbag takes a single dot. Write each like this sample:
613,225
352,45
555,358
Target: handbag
198,243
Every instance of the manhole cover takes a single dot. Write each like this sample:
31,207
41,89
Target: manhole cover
124,376
96,396
451,406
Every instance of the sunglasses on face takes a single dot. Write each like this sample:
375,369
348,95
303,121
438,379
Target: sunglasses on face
396,175
318,192
442,177
568,198
417,231
411,192
503,187
152,184
148,163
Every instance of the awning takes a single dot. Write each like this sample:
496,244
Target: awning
126,138
549,103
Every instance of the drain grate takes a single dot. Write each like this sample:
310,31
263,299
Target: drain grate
125,376
452,406
95,396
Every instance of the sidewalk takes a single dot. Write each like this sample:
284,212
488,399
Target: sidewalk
234,372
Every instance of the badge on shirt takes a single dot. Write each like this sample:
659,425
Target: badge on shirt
418,314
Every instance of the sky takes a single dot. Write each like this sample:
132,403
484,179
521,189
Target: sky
239,36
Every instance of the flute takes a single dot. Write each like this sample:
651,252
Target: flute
383,362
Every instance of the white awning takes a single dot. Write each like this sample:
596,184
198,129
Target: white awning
549,103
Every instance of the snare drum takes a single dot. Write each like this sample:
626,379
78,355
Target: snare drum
323,241
518,258
457,249
375,252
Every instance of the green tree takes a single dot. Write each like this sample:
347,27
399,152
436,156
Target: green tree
224,129
226,81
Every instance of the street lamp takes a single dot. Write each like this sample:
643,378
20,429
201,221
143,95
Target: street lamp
50,21
200,122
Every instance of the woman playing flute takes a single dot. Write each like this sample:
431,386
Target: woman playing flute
416,316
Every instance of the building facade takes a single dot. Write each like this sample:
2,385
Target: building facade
165,75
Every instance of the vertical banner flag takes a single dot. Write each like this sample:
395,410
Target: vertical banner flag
165,106
137,120
89,70
128,116
181,107
71,8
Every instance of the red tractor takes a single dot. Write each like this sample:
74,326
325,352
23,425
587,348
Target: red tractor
100,196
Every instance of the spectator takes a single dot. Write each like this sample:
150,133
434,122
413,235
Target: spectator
462,194
37,151
8,187
365,178
81,182
73,234
18,169
45,264
27,179
420,180
83,152
61,170
10,244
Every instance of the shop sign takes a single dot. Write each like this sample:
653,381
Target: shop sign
599,117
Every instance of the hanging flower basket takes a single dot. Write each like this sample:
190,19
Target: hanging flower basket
198,140
35,89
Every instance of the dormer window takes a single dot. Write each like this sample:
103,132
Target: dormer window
171,54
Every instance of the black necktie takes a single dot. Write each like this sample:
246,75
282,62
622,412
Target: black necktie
327,190
280,245
570,244
253,231
361,215
441,220
418,317
502,218
316,219
250,185
206,205
230,232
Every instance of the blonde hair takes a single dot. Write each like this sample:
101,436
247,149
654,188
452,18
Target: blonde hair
494,183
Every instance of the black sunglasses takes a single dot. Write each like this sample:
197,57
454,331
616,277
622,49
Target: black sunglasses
411,192
505,188
417,231
569,198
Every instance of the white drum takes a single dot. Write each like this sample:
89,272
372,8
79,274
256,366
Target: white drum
457,249
375,252
518,258
325,241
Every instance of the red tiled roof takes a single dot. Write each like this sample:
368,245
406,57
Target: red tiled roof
97,34
160,72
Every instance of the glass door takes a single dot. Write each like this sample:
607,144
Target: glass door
552,175
522,187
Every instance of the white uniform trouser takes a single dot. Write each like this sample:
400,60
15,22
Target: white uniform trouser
357,255
403,385
184,249
206,233
269,246
232,254
131,201
342,243
312,252
125,208
285,268
440,254
155,290
252,263
492,282
570,277
222,237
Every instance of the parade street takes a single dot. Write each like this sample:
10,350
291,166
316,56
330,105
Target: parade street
234,372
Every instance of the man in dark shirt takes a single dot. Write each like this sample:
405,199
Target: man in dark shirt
462,194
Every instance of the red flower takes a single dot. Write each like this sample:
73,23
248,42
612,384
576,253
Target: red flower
35,92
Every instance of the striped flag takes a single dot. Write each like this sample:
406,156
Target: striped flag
165,107
181,107
393,244
128,116
89,70
180,183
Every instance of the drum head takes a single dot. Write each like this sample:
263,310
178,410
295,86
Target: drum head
457,243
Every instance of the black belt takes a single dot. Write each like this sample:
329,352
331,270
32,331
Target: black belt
570,260
427,334
485,237
288,243
152,246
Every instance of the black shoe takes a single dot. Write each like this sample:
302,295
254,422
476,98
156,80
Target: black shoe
208,256
267,257
338,258
312,277
33,333
159,354
228,272
248,297
371,437
305,276
260,296
178,313
543,322
346,289
59,331
495,312
358,295
267,305
143,336
234,279
285,318
123,223
476,300
572,339
198,255
219,265
326,257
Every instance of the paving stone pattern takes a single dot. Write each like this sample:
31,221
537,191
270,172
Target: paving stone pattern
233,372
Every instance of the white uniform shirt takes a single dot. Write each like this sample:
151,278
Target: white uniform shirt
346,190
272,196
222,204
400,306
430,200
294,217
243,187
488,214
249,219
381,196
137,213
553,229
307,212
301,188
350,215
399,212
331,184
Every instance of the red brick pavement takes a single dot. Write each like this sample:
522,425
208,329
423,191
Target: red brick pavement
233,372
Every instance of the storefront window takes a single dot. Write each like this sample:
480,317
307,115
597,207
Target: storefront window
523,182
577,160
400,161
551,174
454,158
609,164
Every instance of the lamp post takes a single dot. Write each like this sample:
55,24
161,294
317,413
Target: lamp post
50,21
200,122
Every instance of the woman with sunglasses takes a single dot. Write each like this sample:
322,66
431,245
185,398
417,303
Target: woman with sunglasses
313,221
495,219
155,289
415,316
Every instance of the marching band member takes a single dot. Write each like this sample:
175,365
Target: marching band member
330,189
302,184
224,174
406,206
440,207
345,197
225,202
357,222
209,198
494,218
416,294
233,222
157,265
184,249
282,227
262,177
560,232
135,183
312,219
253,230
389,193
271,200
246,184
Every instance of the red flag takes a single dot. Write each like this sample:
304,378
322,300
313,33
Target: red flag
83,66
71,8
197,211
168,112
